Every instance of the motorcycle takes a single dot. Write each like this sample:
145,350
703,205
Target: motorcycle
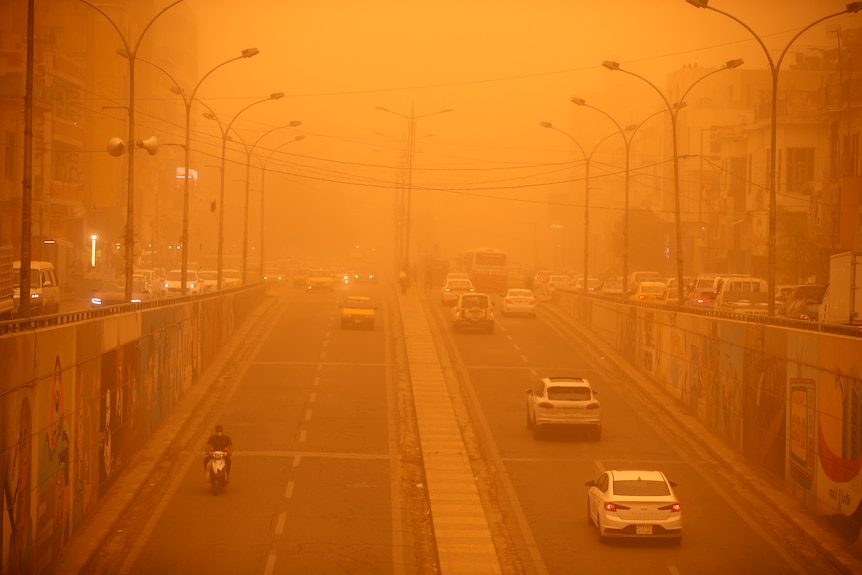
217,470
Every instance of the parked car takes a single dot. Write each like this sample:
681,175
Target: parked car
568,402
357,311
473,311
230,278
44,288
208,279
453,288
519,301
174,282
669,297
612,287
113,292
700,299
593,284
555,282
635,504
648,291
804,302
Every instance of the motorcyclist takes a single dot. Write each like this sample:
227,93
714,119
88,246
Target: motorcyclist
219,442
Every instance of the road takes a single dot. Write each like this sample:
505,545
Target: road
327,473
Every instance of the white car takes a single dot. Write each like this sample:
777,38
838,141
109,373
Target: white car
453,288
519,300
555,282
473,310
174,282
208,279
565,402
635,504
230,278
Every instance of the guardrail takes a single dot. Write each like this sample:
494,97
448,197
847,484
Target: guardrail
834,329
19,325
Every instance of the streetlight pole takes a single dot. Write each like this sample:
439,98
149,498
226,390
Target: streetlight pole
774,66
249,150
628,142
131,52
187,102
412,119
262,181
673,110
587,160
224,133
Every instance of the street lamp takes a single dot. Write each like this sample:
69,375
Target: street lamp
587,159
131,52
296,138
224,133
187,102
412,119
774,66
249,150
674,111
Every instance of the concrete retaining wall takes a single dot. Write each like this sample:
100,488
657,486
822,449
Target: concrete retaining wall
78,399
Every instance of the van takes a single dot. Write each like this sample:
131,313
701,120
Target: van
44,288
637,277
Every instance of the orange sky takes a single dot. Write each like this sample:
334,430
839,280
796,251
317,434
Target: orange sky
502,66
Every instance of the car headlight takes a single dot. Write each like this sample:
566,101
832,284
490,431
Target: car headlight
136,300
34,296
96,301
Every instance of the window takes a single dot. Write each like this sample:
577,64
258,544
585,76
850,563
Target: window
800,168
640,487
570,393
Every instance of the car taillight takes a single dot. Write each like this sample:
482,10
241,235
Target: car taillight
674,507
532,302
592,406
508,300
609,506
545,405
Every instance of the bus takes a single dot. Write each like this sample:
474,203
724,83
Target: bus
487,268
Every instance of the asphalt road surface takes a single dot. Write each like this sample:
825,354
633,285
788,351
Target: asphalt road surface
327,474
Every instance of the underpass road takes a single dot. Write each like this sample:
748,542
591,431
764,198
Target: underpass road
722,533
317,480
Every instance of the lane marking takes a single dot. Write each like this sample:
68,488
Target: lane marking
524,358
270,564
302,435
296,460
288,491
673,570
279,526
316,381
307,415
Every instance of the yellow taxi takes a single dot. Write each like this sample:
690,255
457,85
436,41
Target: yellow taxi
357,311
648,291
320,280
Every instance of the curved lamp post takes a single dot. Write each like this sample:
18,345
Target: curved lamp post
131,52
296,138
631,130
674,111
224,129
774,65
411,153
187,102
587,160
249,150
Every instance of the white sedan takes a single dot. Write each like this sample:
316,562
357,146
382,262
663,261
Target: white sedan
634,504
519,300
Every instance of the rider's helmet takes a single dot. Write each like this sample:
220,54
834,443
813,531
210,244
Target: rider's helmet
219,429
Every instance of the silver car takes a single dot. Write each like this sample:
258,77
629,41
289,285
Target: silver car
565,402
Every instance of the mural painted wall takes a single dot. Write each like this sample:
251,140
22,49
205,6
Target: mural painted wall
78,400
789,400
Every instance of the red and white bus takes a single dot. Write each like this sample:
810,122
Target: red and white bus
488,269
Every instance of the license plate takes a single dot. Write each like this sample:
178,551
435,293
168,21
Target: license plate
643,529
357,321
